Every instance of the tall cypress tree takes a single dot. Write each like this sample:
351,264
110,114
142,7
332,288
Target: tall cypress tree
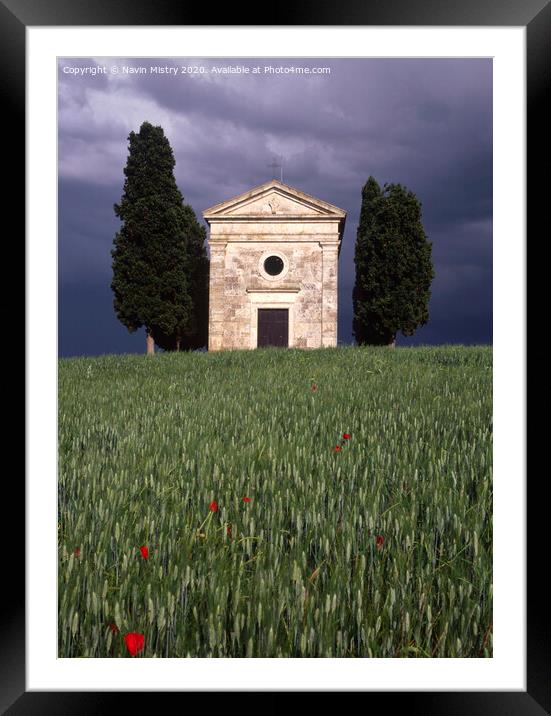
156,254
394,270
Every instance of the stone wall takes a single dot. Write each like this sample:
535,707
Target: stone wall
308,289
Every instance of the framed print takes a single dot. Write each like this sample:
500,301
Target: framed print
369,580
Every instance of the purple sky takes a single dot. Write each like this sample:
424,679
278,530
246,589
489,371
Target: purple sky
426,123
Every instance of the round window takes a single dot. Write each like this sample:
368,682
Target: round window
273,265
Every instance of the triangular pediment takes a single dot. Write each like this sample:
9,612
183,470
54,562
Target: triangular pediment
274,199
274,202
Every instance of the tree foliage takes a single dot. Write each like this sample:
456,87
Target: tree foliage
160,267
394,270
196,335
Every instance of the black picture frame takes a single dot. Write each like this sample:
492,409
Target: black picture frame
535,15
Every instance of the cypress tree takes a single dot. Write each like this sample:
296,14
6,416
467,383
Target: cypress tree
394,270
156,253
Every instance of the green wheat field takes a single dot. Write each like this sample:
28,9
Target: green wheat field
381,549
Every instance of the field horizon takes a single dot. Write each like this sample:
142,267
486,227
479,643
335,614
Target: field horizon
346,346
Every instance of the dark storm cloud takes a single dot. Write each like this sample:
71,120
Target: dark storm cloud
424,123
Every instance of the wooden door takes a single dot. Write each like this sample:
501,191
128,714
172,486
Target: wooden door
273,327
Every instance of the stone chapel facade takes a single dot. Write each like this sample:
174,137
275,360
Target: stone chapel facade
273,269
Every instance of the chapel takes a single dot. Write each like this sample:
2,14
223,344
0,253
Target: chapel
274,254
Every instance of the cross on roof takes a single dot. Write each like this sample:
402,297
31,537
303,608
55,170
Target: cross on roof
277,165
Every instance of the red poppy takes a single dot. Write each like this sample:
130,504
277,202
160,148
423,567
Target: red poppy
134,643
114,628
314,386
228,530
337,448
380,540
246,499
77,552
213,507
145,551
346,436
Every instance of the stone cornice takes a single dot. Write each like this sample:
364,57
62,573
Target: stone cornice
270,239
273,289
274,218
